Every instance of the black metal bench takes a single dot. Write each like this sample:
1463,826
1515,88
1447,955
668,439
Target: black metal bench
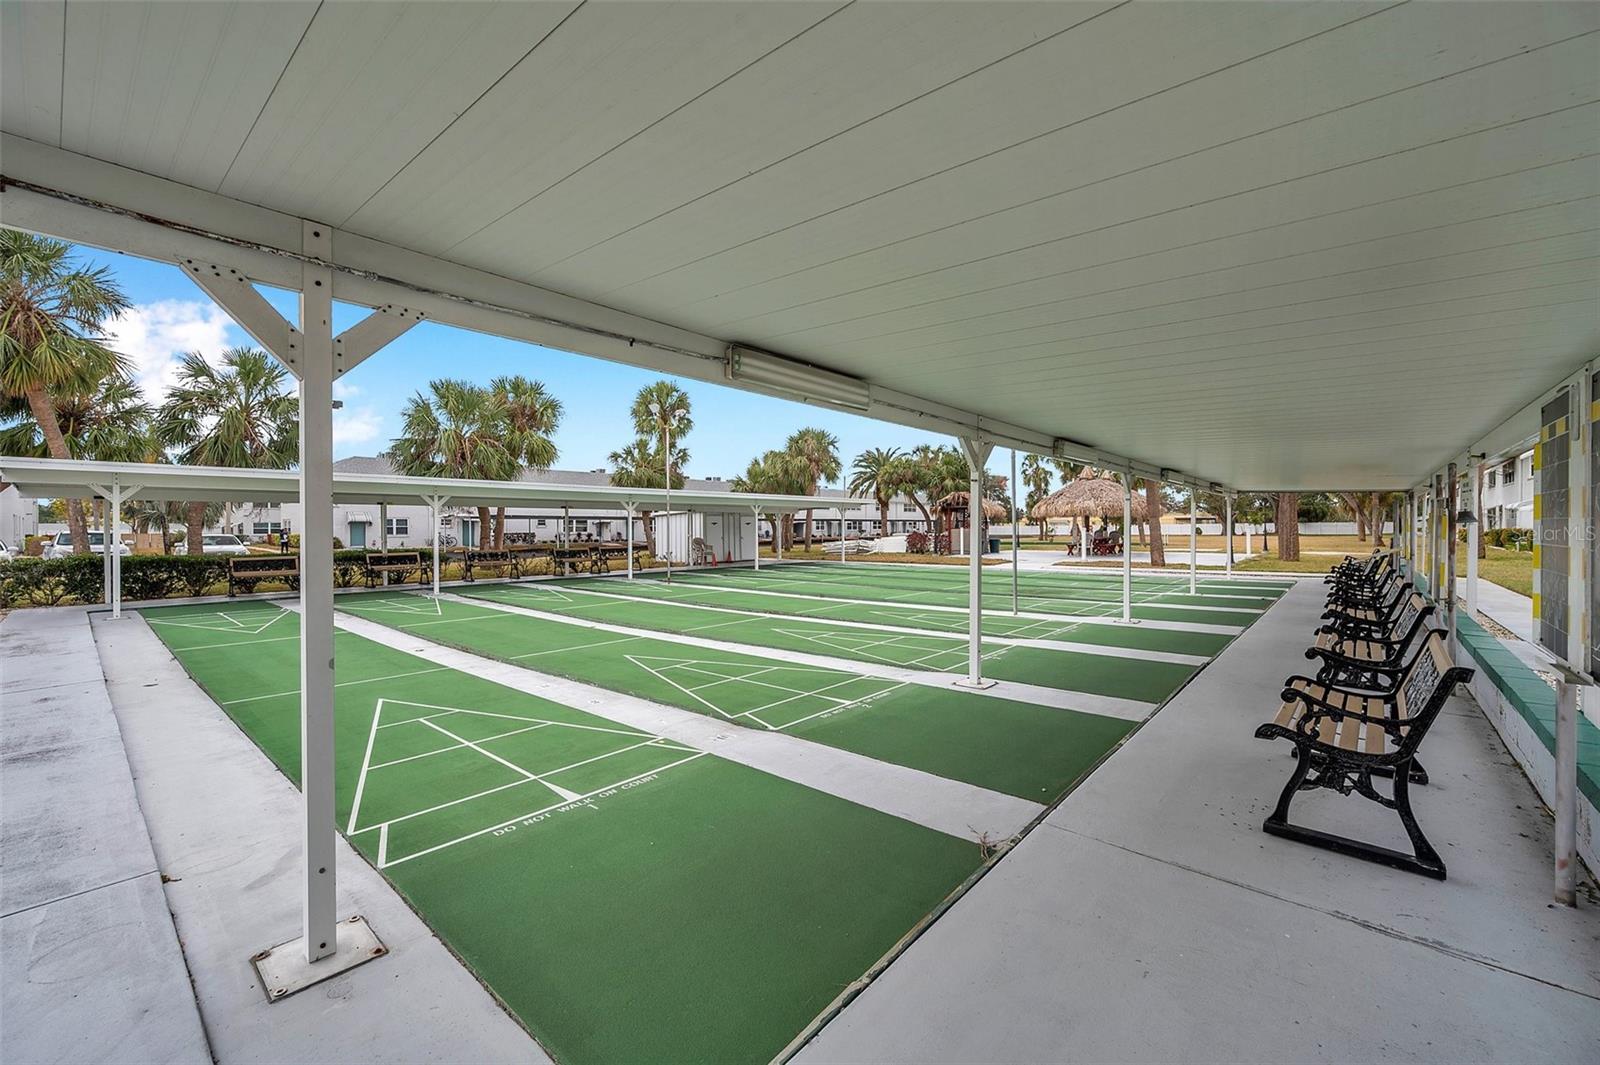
401,562
247,571
1343,738
502,563
1365,659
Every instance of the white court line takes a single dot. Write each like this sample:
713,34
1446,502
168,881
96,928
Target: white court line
573,647
337,684
536,813
457,747
234,643
953,634
1040,695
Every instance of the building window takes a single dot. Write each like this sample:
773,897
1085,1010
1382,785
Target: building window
264,528
580,523
1509,472
1488,482
541,523
399,526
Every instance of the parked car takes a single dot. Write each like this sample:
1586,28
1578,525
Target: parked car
62,547
214,544
5,552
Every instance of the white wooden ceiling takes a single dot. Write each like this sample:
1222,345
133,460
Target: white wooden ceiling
1280,245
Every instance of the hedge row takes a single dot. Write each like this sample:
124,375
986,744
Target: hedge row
81,578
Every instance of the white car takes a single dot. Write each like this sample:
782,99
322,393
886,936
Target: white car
5,552
214,544
62,547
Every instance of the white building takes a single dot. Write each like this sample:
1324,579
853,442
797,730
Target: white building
19,517
357,526
1508,493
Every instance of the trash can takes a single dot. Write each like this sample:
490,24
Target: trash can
994,545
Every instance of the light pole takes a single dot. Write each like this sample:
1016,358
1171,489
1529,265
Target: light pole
660,411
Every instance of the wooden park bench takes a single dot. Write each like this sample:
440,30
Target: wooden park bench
1345,737
247,571
577,557
401,562
501,563
1365,659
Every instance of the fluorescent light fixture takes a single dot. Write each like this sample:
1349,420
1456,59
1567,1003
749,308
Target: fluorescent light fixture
1062,448
763,369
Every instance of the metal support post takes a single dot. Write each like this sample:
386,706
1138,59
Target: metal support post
105,548
1474,531
757,512
631,511
1452,488
316,595
1194,539
435,505
1016,535
1127,547
1227,528
977,453
383,536
1566,804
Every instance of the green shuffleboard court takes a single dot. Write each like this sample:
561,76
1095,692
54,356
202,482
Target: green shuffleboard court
1155,598
628,897
1033,752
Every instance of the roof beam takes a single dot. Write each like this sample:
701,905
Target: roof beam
70,196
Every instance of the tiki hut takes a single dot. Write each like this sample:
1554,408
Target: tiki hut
1088,495
951,512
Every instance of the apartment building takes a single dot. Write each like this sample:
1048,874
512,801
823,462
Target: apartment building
1508,493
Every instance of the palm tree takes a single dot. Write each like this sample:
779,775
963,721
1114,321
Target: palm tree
52,314
240,414
818,450
1036,477
776,473
458,430
872,474
913,476
1155,506
640,465
660,411
532,417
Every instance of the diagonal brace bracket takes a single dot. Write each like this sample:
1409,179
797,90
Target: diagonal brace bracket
358,343
236,295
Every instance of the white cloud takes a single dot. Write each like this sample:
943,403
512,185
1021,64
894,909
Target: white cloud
154,336
356,425
341,390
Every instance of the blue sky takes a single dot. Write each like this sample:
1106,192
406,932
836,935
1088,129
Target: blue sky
172,315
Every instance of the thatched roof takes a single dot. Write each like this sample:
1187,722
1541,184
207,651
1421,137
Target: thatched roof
1087,496
992,511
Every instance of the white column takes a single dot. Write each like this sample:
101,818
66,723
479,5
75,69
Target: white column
1194,541
1566,797
105,546
1127,548
757,512
435,504
630,542
1227,532
383,536
1016,534
977,452
1474,531
841,532
114,545
316,594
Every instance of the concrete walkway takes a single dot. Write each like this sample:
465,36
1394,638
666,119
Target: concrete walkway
1511,610
90,967
950,806
226,826
1148,918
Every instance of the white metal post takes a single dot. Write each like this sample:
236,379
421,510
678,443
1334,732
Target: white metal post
105,547
666,530
631,510
118,494
316,593
977,452
1227,529
1127,548
1016,537
1474,531
757,512
383,537
435,505
1566,805
841,530
1194,541
1451,488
